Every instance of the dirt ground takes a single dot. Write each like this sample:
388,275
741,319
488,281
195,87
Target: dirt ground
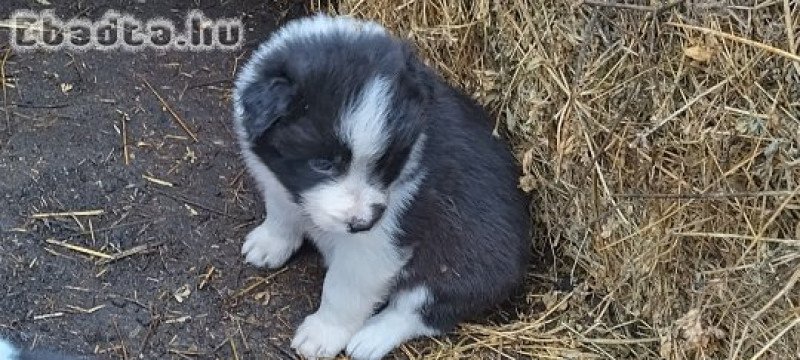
184,291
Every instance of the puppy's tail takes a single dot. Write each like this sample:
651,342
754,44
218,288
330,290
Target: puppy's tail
10,352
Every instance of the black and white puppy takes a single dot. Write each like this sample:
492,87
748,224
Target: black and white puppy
395,177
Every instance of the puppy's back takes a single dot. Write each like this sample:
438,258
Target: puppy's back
469,223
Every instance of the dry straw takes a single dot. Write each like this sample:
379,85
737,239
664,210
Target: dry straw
660,141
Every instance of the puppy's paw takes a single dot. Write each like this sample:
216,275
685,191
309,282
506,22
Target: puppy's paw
373,342
266,247
317,338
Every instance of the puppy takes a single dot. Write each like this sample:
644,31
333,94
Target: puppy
391,173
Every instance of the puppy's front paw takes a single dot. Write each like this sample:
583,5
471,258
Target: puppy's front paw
373,342
266,247
317,338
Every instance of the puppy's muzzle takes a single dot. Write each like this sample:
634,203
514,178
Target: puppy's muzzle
357,224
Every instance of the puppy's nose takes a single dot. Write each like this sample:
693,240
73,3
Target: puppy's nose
358,225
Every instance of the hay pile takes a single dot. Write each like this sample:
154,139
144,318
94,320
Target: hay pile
661,144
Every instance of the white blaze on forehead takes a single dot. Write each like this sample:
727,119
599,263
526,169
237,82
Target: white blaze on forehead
363,124
363,128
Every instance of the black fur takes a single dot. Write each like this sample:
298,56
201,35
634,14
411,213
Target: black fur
266,110
468,225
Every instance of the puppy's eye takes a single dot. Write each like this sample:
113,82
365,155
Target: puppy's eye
322,166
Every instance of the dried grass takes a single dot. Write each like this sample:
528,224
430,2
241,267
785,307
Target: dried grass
661,144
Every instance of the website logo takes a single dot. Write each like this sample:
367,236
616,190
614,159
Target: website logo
117,31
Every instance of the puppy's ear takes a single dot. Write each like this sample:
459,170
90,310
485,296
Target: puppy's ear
265,102
416,80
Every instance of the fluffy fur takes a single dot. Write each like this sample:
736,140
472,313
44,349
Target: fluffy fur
394,176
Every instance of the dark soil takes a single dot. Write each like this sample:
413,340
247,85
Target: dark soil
188,294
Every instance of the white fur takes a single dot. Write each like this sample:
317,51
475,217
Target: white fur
364,125
398,322
321,336
361,268
270,244
331,205
7,351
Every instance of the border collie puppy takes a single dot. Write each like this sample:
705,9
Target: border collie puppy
394,176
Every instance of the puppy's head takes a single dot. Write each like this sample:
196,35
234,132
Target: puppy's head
334,108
